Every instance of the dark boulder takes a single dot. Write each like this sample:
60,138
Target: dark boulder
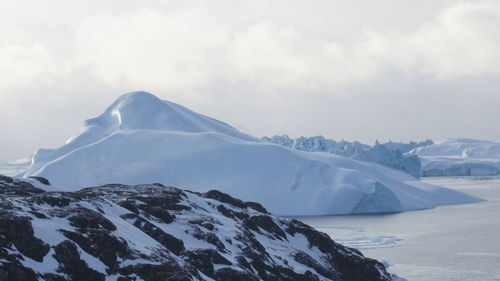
66,253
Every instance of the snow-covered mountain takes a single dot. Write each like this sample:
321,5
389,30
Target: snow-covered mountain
389,154
459,157
141,139
153,232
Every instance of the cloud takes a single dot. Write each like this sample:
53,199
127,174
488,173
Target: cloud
293,68
463,41
193,49
20,64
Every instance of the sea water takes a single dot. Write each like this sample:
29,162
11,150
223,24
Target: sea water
456,242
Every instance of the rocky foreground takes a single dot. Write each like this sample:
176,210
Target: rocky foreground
155,232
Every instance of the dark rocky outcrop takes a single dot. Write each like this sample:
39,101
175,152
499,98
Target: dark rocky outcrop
70,263
41,180
18,232
156,233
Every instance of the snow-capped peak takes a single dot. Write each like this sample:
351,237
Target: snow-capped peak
144,111
137,111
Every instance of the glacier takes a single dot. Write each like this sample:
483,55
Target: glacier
459,157
321,144
449,157
142,139
389,154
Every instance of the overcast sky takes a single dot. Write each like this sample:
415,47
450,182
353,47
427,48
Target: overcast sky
355,70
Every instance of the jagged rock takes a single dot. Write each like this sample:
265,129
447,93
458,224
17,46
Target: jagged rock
12,187
70,263
18,231
155,233
41,180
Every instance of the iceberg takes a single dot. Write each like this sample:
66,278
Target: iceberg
389,154
142,139
459,157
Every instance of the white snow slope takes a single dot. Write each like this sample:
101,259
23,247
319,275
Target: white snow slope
142,139
459,157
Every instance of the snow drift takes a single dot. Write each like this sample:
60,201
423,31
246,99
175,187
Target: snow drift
459,157
142,139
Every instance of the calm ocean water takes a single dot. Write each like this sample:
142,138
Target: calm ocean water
449,243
